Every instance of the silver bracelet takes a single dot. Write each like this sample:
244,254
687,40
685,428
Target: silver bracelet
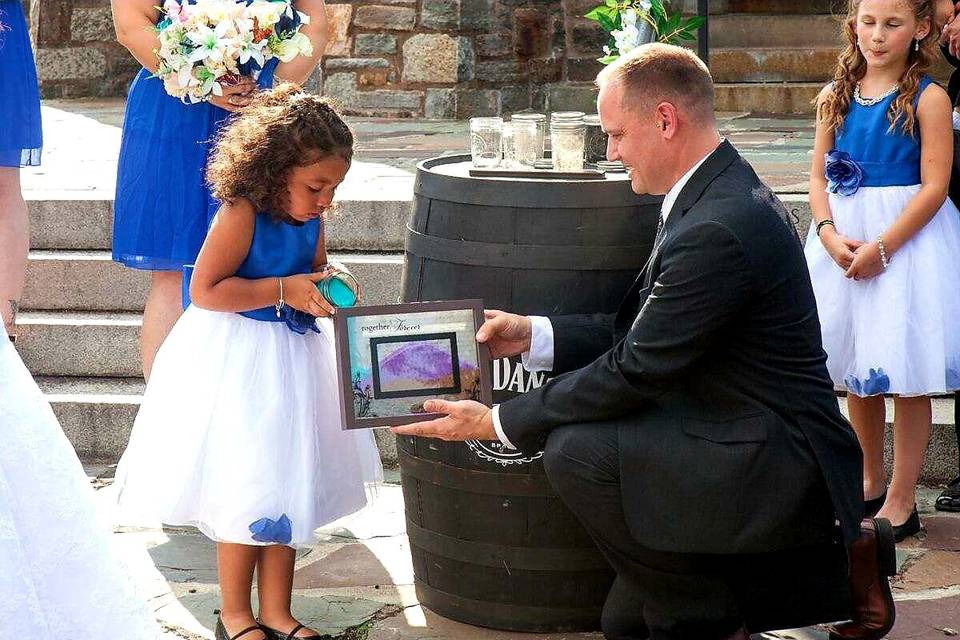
280,302
883,252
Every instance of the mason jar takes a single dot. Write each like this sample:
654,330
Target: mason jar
540,121
595,140
486,144
567,140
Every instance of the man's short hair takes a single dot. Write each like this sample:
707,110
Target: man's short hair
656,72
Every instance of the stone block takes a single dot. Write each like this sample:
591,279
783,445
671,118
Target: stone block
440,14
477,102
494,45
577,8
70,63
500,71
476,15
532,30
387,18
371,44
375,77
91,25
341,88
391,101
440,104
355,64
431,57
514,99
466,60
585,38
338,28
545,70
571,97
583,69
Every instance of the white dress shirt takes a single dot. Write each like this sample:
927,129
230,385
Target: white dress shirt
540,355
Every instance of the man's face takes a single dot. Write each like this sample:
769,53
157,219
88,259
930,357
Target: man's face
633,138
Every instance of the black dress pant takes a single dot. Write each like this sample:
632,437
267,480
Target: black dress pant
679,596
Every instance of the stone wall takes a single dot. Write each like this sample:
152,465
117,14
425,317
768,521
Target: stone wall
77,52
460,58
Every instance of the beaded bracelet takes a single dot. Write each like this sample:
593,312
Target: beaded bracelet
883,252
280,302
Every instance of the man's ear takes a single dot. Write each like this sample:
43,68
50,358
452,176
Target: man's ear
668,119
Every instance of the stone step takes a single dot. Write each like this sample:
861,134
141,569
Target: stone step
754,64
72,220
91,281
768,98
761,30
805,7
97,415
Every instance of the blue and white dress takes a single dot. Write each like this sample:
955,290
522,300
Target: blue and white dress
22,138
896,333
163,206
239,430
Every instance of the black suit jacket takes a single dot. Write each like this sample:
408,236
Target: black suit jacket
714,373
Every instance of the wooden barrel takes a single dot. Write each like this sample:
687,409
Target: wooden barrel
492,545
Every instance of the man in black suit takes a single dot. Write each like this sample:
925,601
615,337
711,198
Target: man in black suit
696,433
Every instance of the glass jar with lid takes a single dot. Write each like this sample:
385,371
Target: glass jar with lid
567,139
540,121
595,140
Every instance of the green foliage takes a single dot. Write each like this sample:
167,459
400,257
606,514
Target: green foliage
671,28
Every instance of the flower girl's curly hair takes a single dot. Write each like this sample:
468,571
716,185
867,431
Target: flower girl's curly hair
280,129
852,66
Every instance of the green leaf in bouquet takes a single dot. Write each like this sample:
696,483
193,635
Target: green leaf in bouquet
607,59
613,4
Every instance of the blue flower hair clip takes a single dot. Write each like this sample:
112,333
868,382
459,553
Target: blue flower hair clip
844,175
277,531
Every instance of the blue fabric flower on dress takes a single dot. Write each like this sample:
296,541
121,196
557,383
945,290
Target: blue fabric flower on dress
844,175
298,321
876,383
277,531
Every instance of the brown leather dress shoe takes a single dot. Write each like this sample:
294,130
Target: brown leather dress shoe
873,558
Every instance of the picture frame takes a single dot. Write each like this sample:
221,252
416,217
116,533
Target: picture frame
391,358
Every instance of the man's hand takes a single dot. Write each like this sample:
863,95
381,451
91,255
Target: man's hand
465,420
507,334
950,35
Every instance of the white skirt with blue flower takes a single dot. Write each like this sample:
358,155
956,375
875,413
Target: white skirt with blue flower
239,435
899,332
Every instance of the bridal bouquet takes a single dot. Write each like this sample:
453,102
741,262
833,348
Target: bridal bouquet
632,23
211,43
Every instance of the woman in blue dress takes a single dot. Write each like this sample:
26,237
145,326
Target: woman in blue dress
162,203
19,147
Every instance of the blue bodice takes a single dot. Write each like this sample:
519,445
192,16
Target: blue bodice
887,158
278,249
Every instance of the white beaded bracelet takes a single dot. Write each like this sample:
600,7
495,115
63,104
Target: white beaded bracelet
883,252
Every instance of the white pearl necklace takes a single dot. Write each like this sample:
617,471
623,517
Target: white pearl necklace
869,102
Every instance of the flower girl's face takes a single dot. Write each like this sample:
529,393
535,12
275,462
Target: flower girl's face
886,30
310,188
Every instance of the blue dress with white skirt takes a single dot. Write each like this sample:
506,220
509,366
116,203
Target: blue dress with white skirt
895,333
22,137
239,430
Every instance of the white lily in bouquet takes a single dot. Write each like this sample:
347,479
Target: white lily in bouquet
212,43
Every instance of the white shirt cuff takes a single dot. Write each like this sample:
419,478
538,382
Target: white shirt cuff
499,428
540,356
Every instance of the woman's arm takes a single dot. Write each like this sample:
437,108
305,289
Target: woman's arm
936,159
300,68
838,246
134,22
215,286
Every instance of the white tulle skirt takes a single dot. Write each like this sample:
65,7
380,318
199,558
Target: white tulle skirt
239,434
59,575
899,332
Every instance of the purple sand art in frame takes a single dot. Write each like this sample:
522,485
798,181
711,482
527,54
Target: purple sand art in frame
426,363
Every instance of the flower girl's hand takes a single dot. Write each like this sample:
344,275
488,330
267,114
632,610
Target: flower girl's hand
866,262
301,293
235,95
840,248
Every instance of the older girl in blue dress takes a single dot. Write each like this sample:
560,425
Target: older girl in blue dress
162,205
19,147
239,430
884,249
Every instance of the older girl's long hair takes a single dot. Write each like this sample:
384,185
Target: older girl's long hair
852,66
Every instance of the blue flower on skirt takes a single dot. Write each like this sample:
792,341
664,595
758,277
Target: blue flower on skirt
298,321
844,175
877,382
277,531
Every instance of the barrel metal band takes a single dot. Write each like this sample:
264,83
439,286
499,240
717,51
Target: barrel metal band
506,616
470,481
506,557
525,256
